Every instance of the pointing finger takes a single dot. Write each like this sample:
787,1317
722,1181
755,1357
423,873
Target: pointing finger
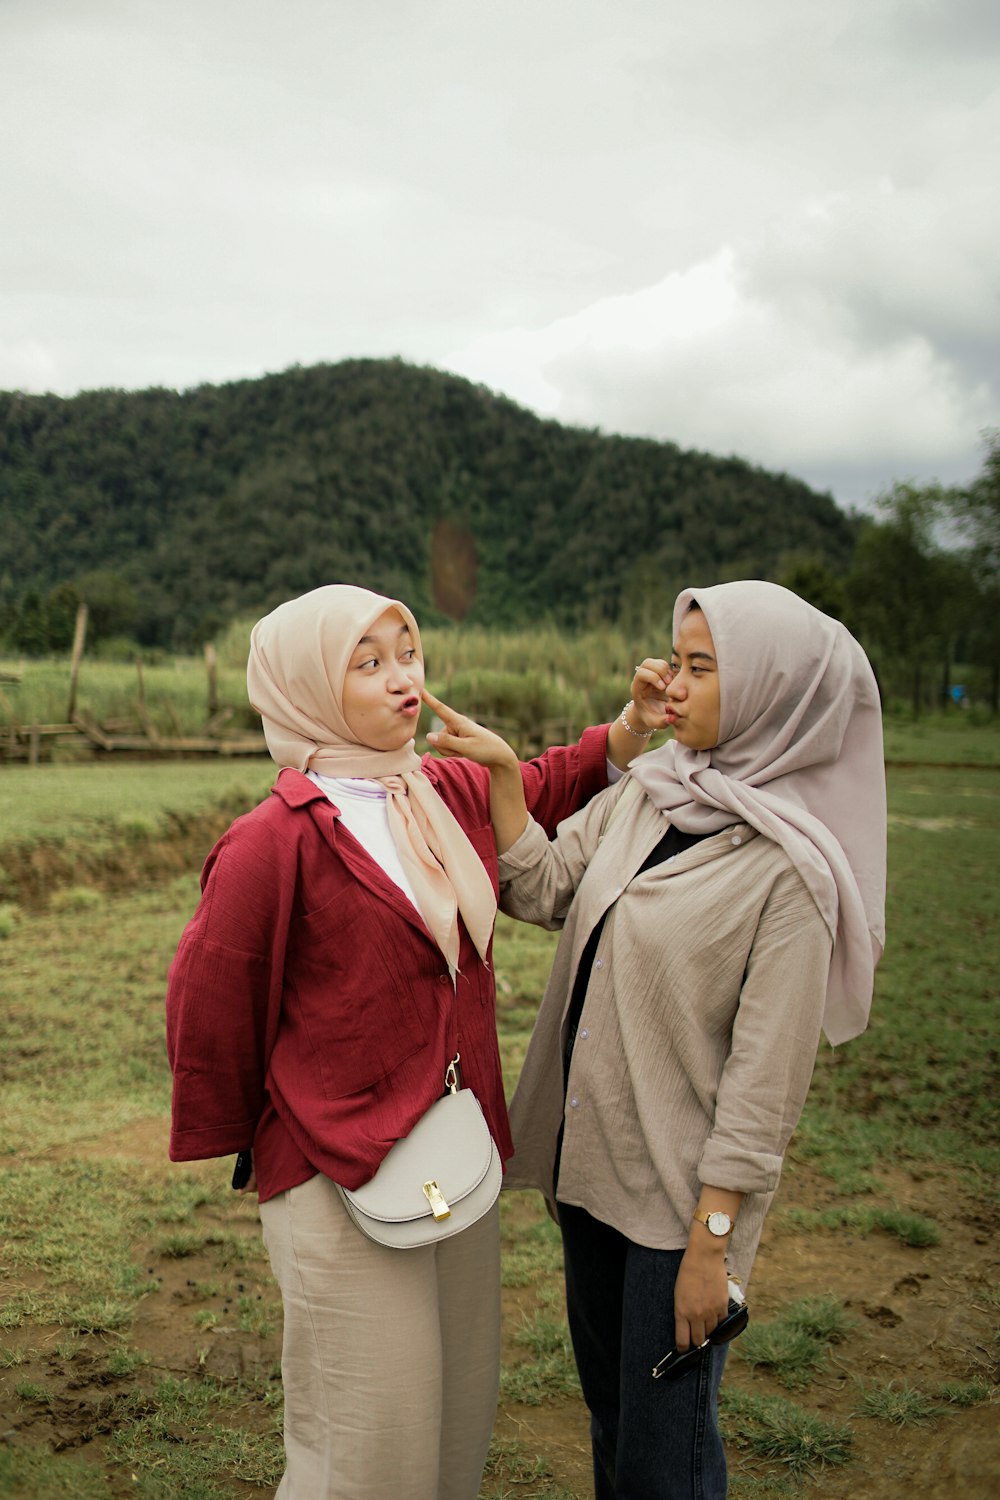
435,703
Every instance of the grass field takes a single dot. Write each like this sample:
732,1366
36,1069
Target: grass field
942,739
139,1329
106,796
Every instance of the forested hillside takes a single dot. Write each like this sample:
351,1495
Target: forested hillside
172,511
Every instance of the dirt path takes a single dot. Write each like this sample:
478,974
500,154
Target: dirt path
922,1317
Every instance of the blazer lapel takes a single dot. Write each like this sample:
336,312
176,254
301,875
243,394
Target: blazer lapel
367,871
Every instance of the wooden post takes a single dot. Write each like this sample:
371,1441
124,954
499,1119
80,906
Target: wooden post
34,742
9,730
79,637
213,682
150,728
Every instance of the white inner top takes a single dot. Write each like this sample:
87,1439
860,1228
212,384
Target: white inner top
362,805
363,811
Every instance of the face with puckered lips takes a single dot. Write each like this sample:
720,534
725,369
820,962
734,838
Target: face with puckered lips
381,693
693,708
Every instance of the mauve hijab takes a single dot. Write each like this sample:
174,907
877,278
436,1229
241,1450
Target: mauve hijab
800,759
299,655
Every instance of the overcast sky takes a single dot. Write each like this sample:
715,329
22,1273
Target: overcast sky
762,227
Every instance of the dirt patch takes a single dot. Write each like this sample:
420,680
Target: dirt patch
30,871
923,1317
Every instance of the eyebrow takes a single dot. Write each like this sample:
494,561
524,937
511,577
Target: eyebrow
369,640
694,655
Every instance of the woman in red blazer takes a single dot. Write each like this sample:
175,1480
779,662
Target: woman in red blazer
339,958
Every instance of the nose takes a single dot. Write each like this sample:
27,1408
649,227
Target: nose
400,677
675,687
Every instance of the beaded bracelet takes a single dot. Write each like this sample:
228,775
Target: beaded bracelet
640,734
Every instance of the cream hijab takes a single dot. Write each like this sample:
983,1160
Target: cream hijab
800,759
299,655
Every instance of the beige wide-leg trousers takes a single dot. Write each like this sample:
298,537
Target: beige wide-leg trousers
390,1358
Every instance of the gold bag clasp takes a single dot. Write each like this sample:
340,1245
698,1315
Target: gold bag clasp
437,1201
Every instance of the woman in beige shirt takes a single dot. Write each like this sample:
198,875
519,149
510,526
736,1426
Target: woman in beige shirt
715,918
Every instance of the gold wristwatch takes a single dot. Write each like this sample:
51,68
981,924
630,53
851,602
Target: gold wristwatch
715,1221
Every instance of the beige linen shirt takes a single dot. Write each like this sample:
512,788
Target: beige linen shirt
699,1032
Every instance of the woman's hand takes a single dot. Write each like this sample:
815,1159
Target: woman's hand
701,1295
643,716
244,1176
464,737
649,695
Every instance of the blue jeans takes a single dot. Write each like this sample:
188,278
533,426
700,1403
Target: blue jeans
652,1439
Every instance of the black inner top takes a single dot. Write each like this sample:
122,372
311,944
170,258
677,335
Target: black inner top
674,841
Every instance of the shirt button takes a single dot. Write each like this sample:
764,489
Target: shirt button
584,1033
599,964
736,839
670,859
574,1103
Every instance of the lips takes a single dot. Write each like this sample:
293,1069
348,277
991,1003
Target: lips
410,706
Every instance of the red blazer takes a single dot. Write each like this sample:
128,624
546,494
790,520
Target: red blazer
309,1010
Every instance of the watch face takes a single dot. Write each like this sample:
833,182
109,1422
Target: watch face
719,1223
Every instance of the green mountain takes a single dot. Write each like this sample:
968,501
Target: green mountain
173,511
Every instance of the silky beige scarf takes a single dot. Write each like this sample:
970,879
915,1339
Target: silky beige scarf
299,655
800,759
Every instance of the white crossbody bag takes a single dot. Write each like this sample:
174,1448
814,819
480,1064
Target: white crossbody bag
437,1180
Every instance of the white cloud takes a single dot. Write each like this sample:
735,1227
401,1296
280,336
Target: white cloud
542,368
763,228
710,359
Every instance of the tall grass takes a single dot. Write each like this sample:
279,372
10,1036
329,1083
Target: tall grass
174,694
545,685
540,686
580,656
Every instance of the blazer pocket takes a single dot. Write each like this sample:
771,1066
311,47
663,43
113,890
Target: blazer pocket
350,1003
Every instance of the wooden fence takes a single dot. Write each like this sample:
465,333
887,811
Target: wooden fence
34,742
